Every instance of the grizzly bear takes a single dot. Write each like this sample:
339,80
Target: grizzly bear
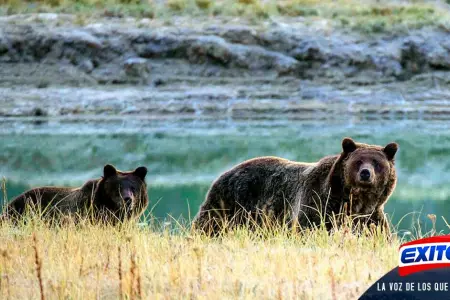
360,179
115,197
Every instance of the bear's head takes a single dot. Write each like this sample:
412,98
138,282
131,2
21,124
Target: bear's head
124,193
368,167
365,171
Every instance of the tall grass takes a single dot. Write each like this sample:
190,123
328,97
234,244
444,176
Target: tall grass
132,262
140,261
83,260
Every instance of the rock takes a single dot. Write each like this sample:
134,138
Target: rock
413,58
235,34
281,40
209,48
206,48
223,49
47,16
136,67
439,57
109,75
309,52
388,66
80,38
44,83
86,66
145,21
160,46
158,82
38,112
4,46
130,110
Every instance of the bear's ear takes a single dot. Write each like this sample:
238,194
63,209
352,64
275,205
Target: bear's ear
140,172
390,150
108,171
348,145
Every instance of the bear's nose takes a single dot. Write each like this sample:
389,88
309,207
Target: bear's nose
365,175
127,199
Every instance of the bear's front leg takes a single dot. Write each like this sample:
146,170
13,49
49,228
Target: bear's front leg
378,218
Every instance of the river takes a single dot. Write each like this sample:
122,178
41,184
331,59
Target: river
184,155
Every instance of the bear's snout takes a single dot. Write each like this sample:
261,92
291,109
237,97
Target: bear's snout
365,175
127,196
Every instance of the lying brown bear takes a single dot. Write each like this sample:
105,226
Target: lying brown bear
362,177
116,196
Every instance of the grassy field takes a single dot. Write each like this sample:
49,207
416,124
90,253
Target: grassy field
365,16
153,260
132,262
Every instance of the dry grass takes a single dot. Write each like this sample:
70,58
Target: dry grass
150,260
132,262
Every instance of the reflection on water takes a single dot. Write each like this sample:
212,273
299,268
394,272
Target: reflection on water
184,156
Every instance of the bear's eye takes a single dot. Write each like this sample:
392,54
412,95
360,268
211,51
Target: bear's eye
359,163
376,164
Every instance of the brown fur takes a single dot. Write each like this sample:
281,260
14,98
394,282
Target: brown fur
303,193
114,197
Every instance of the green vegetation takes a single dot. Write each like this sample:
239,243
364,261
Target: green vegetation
365,16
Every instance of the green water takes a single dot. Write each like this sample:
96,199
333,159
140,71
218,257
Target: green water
185,156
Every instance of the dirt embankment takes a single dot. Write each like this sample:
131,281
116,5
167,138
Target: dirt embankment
194,68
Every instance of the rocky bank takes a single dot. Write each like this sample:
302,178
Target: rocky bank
50,65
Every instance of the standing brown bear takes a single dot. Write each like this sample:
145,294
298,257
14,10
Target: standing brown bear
362,177
116,196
